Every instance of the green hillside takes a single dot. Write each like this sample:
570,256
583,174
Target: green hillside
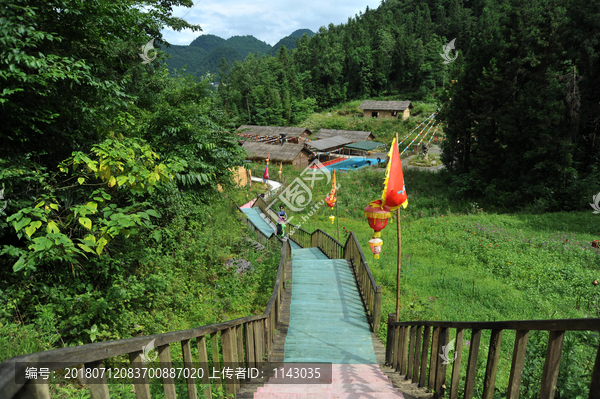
290,41
205,52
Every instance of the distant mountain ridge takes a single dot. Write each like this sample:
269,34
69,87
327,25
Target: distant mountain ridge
205,52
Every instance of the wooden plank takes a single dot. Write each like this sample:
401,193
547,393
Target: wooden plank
98,386
377,311
164,356
214,346
587,324
142,388
234,356
266,344
400,349
489,381
441,367
455,379
188,363
228,344
33,391
258,341
239,332
595,386
433,358
395,338
203,359
424,354
405,351
516,368
411,352
250,355
388,343
552,364
472,365
417,361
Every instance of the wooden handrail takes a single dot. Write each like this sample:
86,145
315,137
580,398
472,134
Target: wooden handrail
371,293
405,340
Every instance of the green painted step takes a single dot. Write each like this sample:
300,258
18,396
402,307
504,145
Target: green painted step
254,215
327,317
308,254
294,245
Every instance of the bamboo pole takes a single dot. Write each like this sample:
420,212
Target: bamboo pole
337,217
399,254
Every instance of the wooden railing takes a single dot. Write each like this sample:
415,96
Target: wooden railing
262,205
299,236
326,243
412,345
245,342
369,290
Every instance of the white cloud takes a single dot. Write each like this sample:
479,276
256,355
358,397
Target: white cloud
267,20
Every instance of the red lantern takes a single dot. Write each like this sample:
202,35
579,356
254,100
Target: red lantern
330,201
378,216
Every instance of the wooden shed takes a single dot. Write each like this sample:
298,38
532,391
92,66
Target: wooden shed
288,153
386,109
353,135
271,134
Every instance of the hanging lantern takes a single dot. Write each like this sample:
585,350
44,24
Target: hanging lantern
330,201
375,245
332,218
378,216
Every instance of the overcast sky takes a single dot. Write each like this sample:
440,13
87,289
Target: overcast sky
267,20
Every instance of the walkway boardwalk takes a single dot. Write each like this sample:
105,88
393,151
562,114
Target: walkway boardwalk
328,324
254,215
327,318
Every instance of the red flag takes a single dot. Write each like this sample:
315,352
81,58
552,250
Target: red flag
266,174
394,191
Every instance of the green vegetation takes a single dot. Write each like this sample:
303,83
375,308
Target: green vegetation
114,225
206,52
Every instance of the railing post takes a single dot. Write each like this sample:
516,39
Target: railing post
516,368
440,370
434,358
411,352
142,389
164,357
98,386
424,354
552,364
489,381
399,349
472,365
456,365
417,362
188,363
388,343
250,354
377,310
203,359
314,239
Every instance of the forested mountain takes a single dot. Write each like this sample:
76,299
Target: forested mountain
525,110
206,51
290,41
